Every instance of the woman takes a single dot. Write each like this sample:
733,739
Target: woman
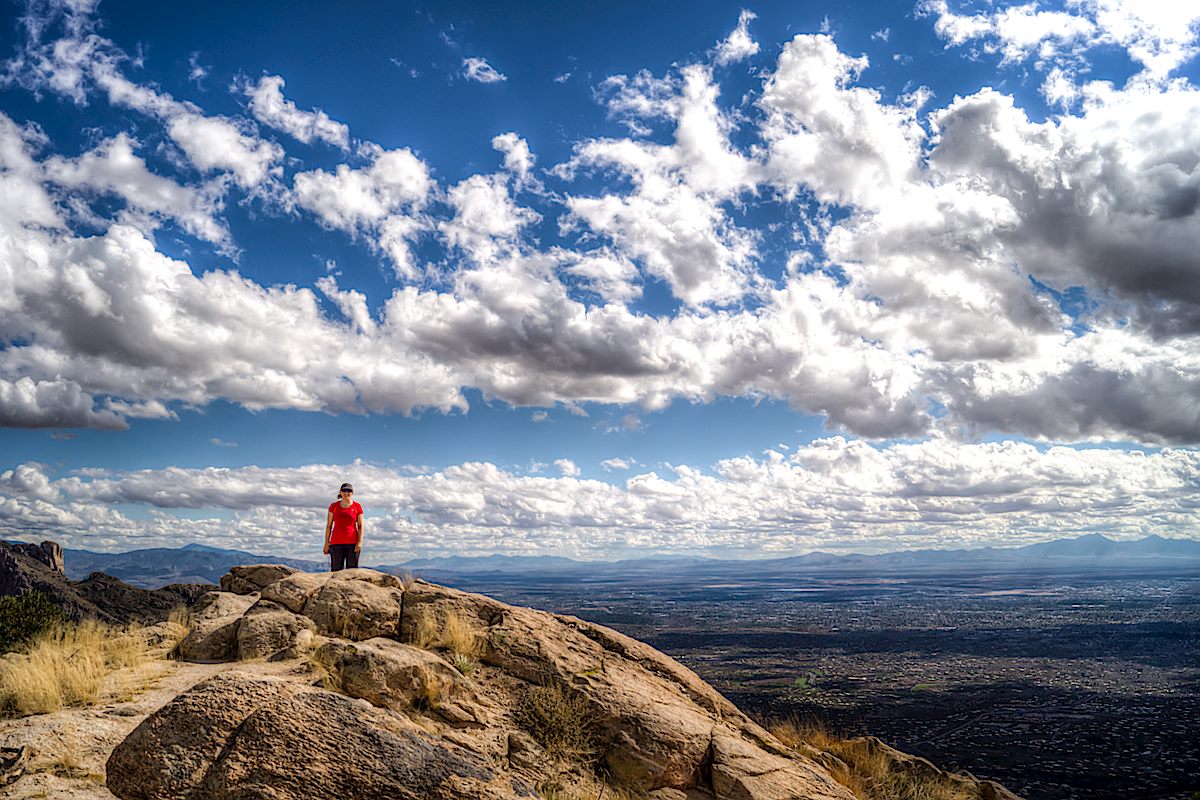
344,530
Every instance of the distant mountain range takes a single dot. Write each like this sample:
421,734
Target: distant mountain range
159,566
195,563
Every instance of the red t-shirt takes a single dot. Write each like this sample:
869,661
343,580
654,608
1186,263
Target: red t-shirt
345,528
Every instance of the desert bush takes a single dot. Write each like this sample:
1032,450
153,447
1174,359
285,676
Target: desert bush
67,665
561,722
179,623
432,691
24,617
446,629
464,664
325,675
867,770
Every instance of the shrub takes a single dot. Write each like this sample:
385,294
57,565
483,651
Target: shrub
67,665
432,691
327,676
447,630
869,771
24,617
561,722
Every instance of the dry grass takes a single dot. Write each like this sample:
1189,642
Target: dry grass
67,762
433,690
446,629
325,675
179,625
67,666
407,579
554,789
867,770
562,723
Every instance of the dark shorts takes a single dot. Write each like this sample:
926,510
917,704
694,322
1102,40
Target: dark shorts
342,556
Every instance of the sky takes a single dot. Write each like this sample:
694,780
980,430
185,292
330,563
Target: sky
602,280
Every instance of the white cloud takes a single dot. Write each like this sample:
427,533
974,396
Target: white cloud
831,494
197,72
270,107
611,464
517,158
82,59
673,222
1161,36
382,200
921,306
837,140
478,69
739,44
113,168
1059,88
567,467
219,144
486,222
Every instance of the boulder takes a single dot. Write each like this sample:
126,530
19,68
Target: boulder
268,630
215,621
355,609
293,591
371,576
253,578
241,737
389,674
392,719
743,771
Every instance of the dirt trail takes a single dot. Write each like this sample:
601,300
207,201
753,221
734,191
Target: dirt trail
69,748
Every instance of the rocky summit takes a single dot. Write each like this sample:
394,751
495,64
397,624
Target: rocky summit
28,567
413,690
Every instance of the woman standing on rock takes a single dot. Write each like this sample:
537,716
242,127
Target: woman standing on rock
344,530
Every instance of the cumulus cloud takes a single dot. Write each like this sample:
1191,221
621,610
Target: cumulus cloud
1160,36
479,70
739,44
930,289
674,221
381,200
567,467
82,61
270,107
113,168
517,157
832,493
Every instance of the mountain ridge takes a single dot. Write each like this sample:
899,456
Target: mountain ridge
154,567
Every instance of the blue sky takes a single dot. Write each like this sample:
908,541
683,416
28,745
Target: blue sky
704,278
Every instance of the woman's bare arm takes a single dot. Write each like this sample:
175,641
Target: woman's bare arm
359,543
328,530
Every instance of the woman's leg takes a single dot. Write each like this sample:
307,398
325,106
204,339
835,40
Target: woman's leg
337,556
351,557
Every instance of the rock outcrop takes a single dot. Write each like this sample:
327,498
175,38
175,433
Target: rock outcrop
423,691
39,568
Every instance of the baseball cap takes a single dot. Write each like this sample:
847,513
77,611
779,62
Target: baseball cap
346,487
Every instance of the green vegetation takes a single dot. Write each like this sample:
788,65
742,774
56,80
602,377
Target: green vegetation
25,617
